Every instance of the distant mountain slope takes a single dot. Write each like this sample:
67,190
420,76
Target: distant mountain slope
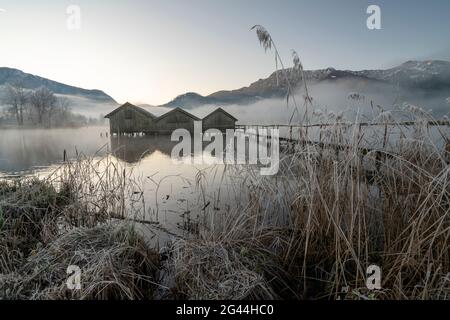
189,100
425,76
29,81
428,75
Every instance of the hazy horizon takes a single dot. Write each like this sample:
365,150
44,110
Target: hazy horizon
151,51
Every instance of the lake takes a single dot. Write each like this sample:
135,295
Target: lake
175,194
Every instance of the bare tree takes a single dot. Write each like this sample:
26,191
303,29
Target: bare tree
64,103
62,112
16,97
43,101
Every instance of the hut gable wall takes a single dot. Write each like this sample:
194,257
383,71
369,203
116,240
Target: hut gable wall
129,120
218,120
176,119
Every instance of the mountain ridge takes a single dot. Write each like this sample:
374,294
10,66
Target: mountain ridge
31,81
425,75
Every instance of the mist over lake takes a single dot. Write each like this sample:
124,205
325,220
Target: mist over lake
31,149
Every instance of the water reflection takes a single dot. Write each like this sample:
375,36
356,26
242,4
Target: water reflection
176,195
25,151
173,193
30,150
134,149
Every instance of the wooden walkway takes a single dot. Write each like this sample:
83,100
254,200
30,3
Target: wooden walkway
344,124
341,147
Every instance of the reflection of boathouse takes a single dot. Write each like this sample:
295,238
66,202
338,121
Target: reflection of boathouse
129,118
133,149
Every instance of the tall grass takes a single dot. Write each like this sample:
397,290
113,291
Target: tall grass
75,216
312,231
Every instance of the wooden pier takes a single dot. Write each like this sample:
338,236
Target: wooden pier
302,136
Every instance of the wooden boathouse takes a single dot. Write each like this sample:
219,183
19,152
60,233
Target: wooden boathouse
131,119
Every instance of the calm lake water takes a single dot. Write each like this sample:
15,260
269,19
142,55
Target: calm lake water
171,191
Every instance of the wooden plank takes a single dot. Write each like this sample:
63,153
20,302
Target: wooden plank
343,124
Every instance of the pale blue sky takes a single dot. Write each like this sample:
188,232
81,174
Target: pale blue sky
151,51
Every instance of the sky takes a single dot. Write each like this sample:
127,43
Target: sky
149,51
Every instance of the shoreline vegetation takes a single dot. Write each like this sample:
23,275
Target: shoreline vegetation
40,108
309,232
89,122
73,121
